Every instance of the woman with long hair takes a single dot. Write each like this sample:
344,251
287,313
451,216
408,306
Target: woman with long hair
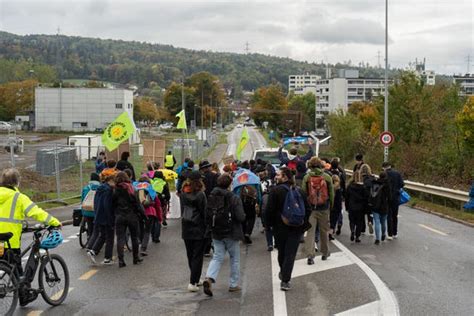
193,224
128,212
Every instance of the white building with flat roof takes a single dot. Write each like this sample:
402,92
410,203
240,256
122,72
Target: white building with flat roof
302,84
466,83
79,109
339,93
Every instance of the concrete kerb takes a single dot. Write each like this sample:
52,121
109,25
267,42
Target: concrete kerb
460,221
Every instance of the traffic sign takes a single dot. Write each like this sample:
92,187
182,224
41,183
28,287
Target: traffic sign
386,138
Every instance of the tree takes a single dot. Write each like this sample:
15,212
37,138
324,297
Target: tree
305,103
269,98
16,98
346,131
145,110
173,98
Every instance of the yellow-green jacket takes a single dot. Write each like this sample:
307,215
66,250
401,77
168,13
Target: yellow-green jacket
14,207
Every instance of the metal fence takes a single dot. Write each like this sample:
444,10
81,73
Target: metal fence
55,172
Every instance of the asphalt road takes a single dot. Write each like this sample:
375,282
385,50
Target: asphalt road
428,270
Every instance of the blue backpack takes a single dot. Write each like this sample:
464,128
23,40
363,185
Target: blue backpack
294,209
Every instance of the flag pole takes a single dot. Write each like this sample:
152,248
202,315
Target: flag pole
182,108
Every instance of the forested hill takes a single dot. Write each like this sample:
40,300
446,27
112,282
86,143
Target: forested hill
141,63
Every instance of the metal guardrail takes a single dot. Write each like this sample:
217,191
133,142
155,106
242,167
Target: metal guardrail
457,195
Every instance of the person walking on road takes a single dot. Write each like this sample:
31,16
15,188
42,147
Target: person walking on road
287,238
170,161
356,205
123,164
379,202
128,213
396,184
225,216
161,187
193,225
293,158
318,186
100,163
185,173
367,178
210,182
14,207
359,162
89,215
104,221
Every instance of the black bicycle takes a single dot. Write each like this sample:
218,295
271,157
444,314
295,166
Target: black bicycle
53,275
85,231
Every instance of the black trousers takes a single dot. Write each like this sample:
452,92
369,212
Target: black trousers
195,253
249,223
102,234
287,248
392,218
121,225
356,222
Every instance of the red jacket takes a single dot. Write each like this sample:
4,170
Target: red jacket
155,210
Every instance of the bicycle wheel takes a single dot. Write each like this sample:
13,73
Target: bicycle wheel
53,279
8,290
83,237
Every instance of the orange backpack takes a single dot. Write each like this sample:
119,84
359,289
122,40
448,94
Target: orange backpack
318,193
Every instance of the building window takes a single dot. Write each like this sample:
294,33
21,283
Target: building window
118,105
79,124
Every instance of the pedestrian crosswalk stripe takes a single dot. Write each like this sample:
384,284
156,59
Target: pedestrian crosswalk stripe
88,274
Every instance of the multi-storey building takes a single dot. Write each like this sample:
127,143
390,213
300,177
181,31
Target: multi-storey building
302,84
466,83
340,93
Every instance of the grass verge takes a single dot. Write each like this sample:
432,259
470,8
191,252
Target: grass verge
442,210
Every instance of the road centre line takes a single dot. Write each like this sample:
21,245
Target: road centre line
433,230
34,313
88,274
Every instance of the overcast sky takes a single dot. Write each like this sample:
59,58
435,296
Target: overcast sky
311,30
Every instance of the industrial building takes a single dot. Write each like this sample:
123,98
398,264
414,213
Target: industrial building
466,84
302,84
79,109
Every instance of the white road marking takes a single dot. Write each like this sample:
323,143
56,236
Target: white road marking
366,310
336,260
88,274
388,304
279,298
66,241
72,237
433,230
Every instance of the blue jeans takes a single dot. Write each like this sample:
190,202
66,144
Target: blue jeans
220,248
380,223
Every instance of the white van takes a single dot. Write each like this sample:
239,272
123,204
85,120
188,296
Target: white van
4,126
270,155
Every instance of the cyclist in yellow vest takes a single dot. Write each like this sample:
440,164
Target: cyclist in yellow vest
170,161
14,207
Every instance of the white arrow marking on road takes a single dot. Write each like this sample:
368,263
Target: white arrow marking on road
433,230
337,260
387,305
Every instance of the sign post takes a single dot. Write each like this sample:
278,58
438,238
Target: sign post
386,138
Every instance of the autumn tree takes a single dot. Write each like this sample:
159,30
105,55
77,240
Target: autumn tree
16,98
269,98
306,103
145,110
173,98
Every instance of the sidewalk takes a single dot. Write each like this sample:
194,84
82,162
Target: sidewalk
218,153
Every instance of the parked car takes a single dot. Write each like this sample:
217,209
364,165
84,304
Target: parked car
4,126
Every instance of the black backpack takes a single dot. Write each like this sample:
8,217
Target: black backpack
219,214
248,195
375,195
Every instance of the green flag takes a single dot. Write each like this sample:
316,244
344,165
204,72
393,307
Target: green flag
118,131
182,120
244,139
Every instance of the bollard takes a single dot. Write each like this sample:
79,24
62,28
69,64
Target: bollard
12,153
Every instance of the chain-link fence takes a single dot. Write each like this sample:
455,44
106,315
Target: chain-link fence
55,172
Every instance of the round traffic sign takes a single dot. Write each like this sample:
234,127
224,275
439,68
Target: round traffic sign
386,138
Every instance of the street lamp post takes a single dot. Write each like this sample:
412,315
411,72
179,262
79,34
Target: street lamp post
385,156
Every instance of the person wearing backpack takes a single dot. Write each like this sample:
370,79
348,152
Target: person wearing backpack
287,215
249,197
293,158
194,225
367,179
161,187
225,215
379,202
396,183
210,182
356,205
339,181
88,192
318,186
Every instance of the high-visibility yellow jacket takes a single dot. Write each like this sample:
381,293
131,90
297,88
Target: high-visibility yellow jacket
14,207
169,161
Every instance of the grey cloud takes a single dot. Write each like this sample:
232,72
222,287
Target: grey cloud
343,31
